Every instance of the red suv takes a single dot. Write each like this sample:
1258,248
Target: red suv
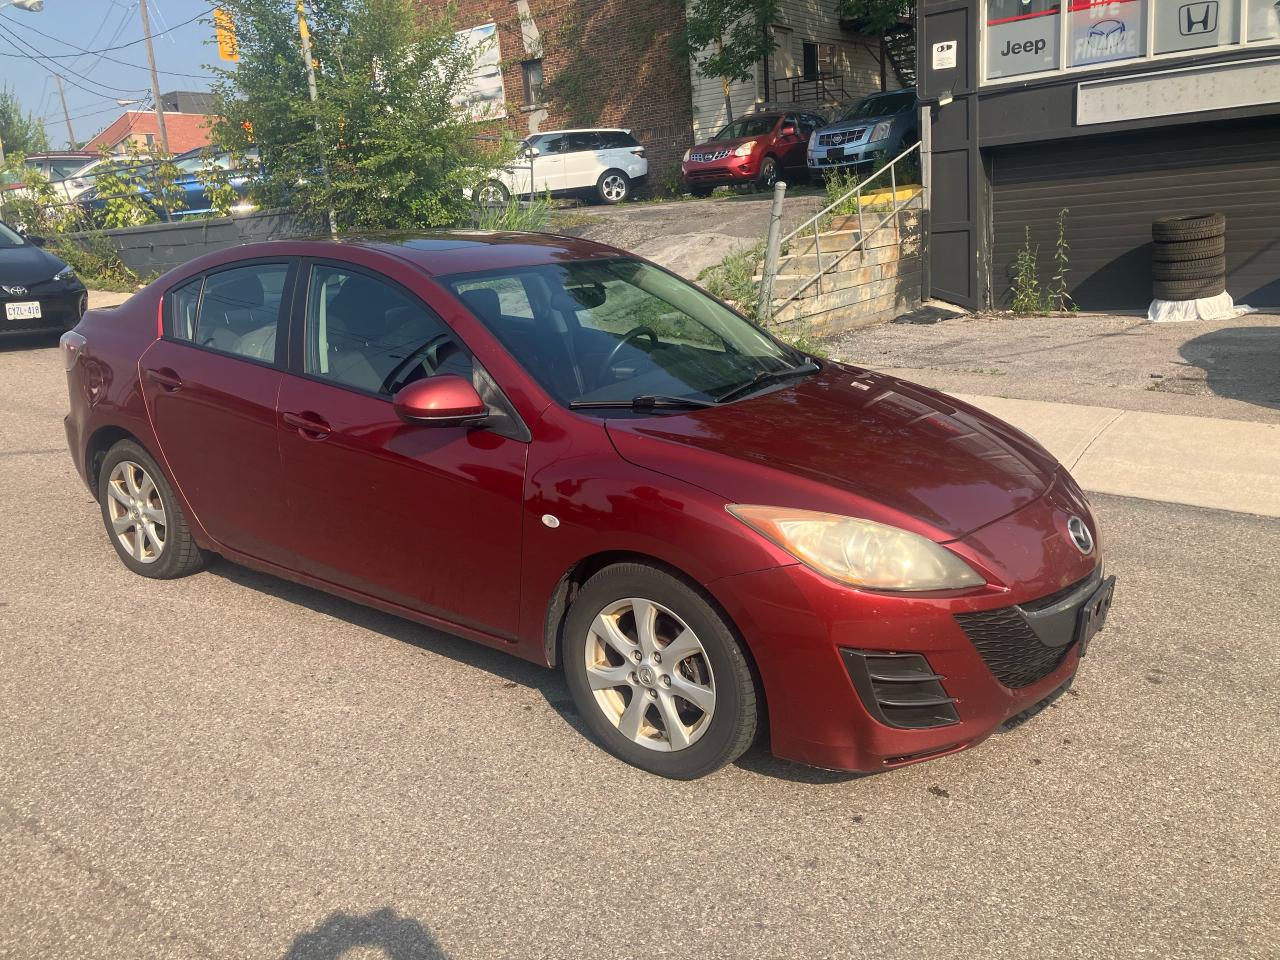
757,148
562,451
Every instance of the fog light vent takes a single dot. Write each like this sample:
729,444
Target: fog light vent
900,689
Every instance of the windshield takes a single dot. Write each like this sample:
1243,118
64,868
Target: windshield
9,237
612,330
881,106
747,127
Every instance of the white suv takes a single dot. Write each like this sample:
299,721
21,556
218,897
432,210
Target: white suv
603,164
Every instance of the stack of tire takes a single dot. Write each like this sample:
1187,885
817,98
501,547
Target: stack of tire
1188,257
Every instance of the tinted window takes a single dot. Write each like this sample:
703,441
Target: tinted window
238,313
364,333
616,139
552,143
582,141
183,303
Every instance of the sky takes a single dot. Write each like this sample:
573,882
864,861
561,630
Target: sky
94,82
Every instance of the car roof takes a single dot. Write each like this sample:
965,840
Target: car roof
442,252
543,133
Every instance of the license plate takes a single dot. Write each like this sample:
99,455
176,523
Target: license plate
835,153
26,310
1093,614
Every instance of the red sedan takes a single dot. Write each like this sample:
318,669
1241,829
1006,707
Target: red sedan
560,450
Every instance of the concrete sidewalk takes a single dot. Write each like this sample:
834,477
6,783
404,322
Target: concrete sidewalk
1201,461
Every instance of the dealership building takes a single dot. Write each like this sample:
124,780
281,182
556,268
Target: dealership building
1120,112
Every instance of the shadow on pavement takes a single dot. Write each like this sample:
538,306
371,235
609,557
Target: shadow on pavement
397,937
18,342
1240,363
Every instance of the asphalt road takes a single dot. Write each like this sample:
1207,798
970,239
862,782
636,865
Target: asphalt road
232,766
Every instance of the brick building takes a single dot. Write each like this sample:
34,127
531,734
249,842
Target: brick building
550,64
186,121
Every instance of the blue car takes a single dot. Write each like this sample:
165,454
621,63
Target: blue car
195,196
876,130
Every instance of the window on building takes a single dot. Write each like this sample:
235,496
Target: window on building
819,60
1264,20
1183,25
532,70
1022,36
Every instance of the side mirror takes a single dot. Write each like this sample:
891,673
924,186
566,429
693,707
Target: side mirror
35,241
442,401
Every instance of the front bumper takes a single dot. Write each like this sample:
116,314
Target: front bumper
866,155
61,306
727,170
862,681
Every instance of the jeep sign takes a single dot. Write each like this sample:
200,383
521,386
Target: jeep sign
1022,44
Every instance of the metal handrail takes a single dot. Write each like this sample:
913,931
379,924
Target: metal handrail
863,234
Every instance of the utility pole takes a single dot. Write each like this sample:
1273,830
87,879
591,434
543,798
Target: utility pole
71,134
155,79
305,34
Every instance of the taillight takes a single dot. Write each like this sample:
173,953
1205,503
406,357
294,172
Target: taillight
72,345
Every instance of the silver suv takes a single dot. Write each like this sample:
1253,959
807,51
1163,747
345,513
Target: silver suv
875,130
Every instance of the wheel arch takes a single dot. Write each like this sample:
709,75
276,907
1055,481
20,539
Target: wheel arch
587,567
95,450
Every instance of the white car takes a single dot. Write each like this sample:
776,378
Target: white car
604,164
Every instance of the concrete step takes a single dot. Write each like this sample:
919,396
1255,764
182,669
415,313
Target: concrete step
879,265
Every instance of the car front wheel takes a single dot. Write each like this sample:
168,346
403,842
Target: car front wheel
768,175
657,674
142,516
614,186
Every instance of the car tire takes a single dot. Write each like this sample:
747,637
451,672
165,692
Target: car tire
1188,289
614,186
601,630
1205,269
1200,226
492,193
1182,251
768,174
701,192
134,493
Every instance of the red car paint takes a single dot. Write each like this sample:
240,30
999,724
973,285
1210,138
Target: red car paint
786,142
331,488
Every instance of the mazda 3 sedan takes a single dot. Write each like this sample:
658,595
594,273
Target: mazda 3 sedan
559,450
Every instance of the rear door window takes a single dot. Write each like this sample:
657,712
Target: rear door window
579,142
235,311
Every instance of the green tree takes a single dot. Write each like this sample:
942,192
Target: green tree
387,144
874,17
19,132
727,38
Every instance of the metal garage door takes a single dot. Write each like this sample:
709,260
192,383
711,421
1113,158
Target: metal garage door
1114,186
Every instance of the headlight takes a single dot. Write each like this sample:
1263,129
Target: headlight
745,149
66,273
860,553
685,158
880,131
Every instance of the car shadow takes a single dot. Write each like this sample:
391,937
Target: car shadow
397,937
29,341
549,683
1240,363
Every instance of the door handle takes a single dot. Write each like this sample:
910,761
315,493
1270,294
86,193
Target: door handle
166,378
310,425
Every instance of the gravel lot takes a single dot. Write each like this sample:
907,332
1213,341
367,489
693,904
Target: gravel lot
1228,369
234,766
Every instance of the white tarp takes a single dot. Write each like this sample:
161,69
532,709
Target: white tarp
1221,307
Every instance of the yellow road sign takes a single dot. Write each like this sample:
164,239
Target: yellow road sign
228,47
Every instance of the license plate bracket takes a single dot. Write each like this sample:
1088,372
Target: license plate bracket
22,310
1093,614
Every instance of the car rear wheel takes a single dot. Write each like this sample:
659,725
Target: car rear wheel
142,516
657,674
614,186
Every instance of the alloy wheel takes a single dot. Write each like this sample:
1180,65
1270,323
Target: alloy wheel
136,512
650,675
770,172
614,188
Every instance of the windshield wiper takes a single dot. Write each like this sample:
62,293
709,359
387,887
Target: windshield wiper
646,401
765,378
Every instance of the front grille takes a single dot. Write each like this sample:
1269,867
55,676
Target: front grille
708,157
1044,603
840,137
1009,647
900,689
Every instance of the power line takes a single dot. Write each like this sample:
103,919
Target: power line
62,70
131,43
101,56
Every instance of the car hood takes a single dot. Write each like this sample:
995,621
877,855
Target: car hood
27,264
712,146
852,442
